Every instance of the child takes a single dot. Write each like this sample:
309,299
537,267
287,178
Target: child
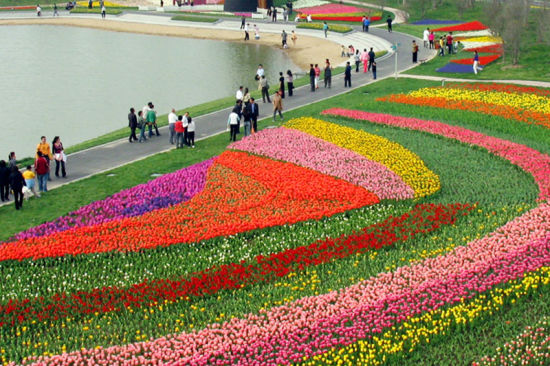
179,132
191,132
29,177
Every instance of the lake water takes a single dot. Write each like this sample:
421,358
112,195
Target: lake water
79,83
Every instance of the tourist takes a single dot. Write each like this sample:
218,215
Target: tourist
293,37
30,180
190,132
450,43
185,124
246,96
55,12
233,124
373,68
172,118
343,54
12,160
328,74
38,10
414,52
104,11
238,108
90,4
365,58
59,155
357,59
426,37
347,75
132,123
277,105
239,94
246,34
363,22
309,18
44,148
247,120
260,72
372,56
16,184
477,67
442,46
42,169
317,75
253,112
366,23
285,14
389,20
325,28
152,120
312,77
351,51
290,82
282,84
142,125
178,128
243,21
283,39
274,15
265,89
4,181
256,32
431,38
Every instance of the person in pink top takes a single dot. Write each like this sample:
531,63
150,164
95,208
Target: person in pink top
431,38
365,59
317,74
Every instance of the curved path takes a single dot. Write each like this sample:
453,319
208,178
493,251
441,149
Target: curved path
98,159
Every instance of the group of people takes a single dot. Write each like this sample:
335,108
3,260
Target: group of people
245,110
447,42
146,118
12,179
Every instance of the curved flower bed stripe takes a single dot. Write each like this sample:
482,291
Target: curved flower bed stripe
418,330
305,150
244,193
528,348
518,113
483,60
493,48
436,21
332,9
342,17
530,160
483,39
167,190
503,88
401,161
470,26
456,68
311,325
421,220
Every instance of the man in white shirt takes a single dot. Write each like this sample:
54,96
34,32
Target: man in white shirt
172,118
426,38
185,124
239,95
260,72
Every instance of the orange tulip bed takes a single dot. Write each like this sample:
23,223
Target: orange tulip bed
353,237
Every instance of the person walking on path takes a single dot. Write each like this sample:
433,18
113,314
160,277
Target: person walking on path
42,168
357,58
17,182
426,37
59,155
373,68
431,39
247,120
4,181
142,125
317,75
172,119
38,10
282,84
256,32
185,124
477,67
103,11
246,34
347,75
328,74
290,82
284,38
325,28
132,123
274,15
441,46
30,180
46,151
365,59
414,52
233,124
277,106
389,20
265,89
253,112
178,127
55,12
450,43
152,120
243,22
293,37
372,55
312,77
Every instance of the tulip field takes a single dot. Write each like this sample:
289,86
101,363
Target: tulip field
406,226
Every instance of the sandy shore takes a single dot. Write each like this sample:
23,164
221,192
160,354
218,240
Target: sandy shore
307,50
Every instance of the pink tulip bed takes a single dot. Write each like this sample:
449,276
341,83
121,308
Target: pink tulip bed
361,231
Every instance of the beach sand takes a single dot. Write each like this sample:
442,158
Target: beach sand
307,50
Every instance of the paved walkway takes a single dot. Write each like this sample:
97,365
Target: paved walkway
95,160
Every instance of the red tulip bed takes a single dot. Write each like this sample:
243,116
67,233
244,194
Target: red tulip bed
338,12
351,238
